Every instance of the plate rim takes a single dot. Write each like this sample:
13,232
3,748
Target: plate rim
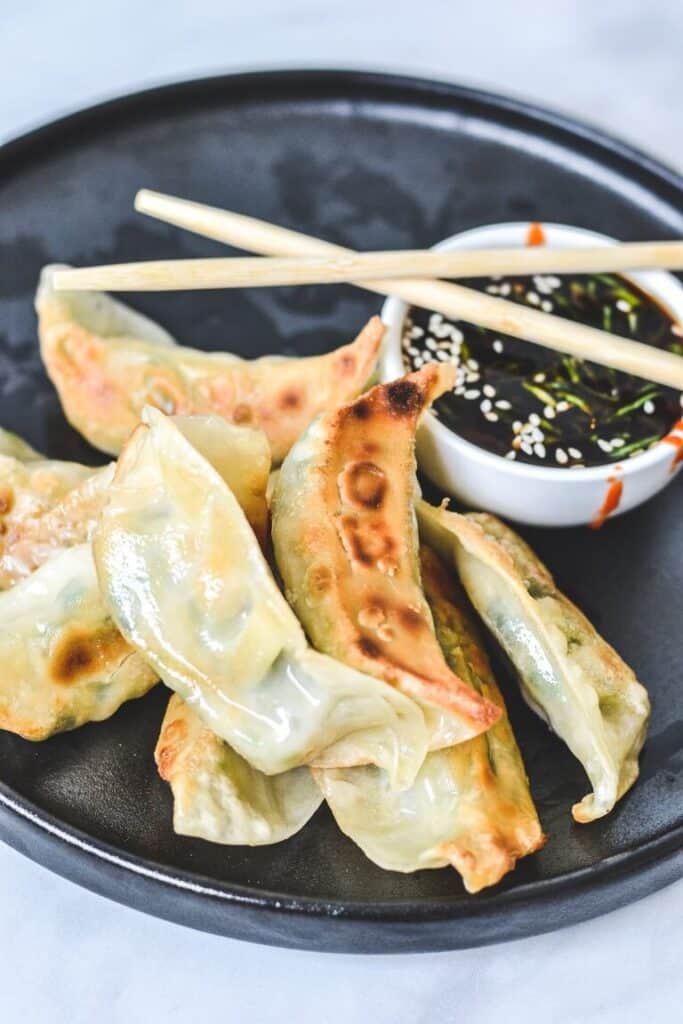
657,862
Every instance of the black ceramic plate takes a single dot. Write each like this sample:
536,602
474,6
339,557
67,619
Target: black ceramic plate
370,161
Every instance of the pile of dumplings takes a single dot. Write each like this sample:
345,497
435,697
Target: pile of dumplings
315,623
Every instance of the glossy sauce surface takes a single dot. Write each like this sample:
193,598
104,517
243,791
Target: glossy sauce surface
524,402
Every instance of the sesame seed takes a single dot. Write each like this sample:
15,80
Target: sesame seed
459,389
539,450
503,404
648,408
575,453
505,289
471,377
492,417
604,446
547,306
486,405
533,299
534,419
512,454
618,442
517,425
549,412
418,362
539,378
431,344
562,406
488,390
472,364
472,393
443,356
623,306
561,456
412,351
498,347
526,448
493,289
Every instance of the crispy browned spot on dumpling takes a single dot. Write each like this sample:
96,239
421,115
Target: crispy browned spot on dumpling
345,541
107,363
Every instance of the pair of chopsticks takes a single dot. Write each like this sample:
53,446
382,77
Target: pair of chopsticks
300,259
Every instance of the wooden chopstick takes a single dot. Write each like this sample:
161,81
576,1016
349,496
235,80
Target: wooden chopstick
448,299
260,272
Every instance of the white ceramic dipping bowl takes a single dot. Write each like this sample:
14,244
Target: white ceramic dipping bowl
536,495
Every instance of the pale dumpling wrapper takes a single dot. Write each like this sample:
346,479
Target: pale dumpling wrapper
470,806
572,677
64,663
107,362
189,587
345,541
218,796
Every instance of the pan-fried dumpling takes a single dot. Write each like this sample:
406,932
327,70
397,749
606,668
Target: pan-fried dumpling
107,363
30,486
40,524
470,805
218,796
63,660
188,586
568,673
345,542
64,663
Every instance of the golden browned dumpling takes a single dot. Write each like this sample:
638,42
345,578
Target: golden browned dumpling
345,541
108,362
470,805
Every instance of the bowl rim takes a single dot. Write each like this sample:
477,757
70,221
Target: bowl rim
661,284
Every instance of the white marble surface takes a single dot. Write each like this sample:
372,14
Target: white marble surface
66,955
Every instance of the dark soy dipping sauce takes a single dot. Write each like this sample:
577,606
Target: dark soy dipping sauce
524,402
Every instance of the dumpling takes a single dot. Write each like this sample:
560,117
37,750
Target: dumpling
345,542
218,796
189,587
40,525
108,362
64,663
470,805
567,672
30,486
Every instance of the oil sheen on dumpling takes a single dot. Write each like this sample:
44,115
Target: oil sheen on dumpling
567,672
64,662
189,587
108,362
470,805
345,542
218,796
